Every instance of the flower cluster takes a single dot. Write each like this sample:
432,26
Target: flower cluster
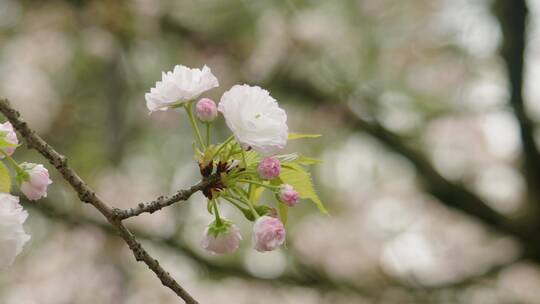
32,179
248,164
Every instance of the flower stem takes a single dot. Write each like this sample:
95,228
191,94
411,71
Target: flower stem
216,213
250,192
208,131
247,181
189,111
223,145
232,201
241,173
246,200
12,161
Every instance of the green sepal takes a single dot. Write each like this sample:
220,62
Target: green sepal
22,176
216,228
205,157
227,181
261,210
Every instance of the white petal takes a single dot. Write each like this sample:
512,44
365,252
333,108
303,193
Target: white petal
255,118
12,235
181,85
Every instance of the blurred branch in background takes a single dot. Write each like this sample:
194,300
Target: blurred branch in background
116,98
512,16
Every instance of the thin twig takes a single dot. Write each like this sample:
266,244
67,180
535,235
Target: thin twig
162,202
87,195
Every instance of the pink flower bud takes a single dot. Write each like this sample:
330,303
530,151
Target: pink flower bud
268,233
223,239
288,195
10,136
34,181
206,110
269,168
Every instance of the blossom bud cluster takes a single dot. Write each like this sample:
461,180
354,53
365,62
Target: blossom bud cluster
247,163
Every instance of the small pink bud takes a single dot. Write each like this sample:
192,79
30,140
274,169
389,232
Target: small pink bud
221,239
288,195
206,110
268,233
10,136
35,181
269,168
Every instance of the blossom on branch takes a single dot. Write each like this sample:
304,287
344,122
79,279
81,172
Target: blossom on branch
255,118
288,195
223,238
34,181
268,234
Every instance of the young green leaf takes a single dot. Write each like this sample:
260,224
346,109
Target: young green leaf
252,159
5,179
304,160
256,193
283,212
296,176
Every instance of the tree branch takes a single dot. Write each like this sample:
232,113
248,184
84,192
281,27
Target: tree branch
87,195
162,202
512,16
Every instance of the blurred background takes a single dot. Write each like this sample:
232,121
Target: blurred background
428,111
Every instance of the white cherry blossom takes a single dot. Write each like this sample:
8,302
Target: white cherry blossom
255,118
181,85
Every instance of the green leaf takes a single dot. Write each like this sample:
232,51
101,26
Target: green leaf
5,179
304,160
296,176
256,193
293,136
283,212
252,158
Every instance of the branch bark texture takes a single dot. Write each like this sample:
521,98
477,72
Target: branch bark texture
87,195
